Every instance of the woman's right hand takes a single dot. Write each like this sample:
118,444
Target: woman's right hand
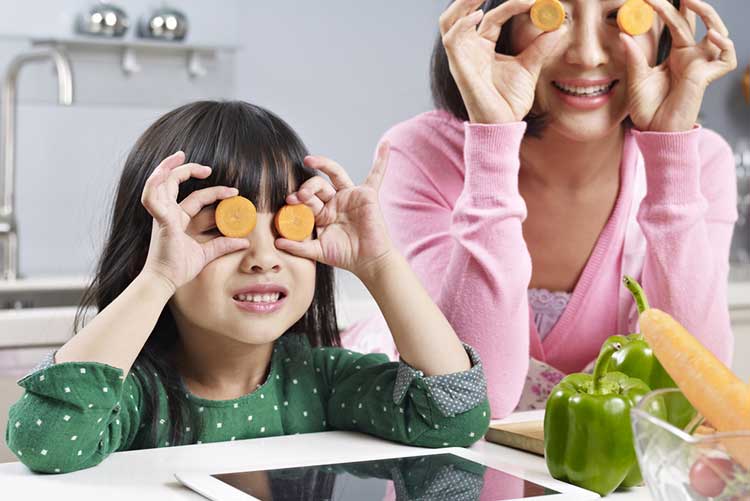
496,88
173,254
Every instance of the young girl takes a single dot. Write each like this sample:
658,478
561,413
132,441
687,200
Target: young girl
205,338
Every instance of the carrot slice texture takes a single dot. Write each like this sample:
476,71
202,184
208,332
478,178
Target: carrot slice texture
236,217
547,15
294,222
635,17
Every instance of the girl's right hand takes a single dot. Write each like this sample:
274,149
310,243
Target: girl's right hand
496,88
173,254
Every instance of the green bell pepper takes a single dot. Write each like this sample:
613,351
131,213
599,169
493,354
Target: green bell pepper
588,440
636,359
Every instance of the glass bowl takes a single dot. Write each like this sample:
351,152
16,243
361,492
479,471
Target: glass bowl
694,463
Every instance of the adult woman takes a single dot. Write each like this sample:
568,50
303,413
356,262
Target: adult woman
555,163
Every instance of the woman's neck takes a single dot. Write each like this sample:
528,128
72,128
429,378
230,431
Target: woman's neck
559,163
218,367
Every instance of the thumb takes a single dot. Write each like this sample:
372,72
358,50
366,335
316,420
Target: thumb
541,49
309,249
637,64
220,246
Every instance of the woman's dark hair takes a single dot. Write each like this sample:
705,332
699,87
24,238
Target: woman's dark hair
445,93
248,148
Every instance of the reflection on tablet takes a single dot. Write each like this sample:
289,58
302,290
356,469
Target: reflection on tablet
435,477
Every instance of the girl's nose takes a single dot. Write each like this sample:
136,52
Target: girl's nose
586,46
262,255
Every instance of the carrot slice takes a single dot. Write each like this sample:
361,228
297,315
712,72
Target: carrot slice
236,216
547,15
635,17
295,222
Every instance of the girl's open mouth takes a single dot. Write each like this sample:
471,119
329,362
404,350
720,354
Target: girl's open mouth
260,303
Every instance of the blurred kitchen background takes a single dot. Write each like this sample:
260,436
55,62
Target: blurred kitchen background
340,72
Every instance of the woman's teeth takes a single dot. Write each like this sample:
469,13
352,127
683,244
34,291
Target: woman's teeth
258,298
596,90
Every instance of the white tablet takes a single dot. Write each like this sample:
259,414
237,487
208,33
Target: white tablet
443,476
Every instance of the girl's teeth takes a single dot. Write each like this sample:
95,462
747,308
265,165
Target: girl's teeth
259,298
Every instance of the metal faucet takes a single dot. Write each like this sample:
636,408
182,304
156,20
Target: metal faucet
8,235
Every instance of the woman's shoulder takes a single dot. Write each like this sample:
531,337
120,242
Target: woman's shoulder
432,130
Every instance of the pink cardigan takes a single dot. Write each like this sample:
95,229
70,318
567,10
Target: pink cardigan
451,201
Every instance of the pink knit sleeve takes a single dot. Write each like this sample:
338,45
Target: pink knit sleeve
471,257
687,217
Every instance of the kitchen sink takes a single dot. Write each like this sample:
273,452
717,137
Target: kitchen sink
42,292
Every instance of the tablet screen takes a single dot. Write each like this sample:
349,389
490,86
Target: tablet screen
434,477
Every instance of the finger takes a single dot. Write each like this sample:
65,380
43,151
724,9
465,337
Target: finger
727,60
708,14
312,201
316,185
636,61
183,173
541,49
198,199
309,249
679,27
377,173
219,246
462,27
161,172
338,175
690,16
457,10
494,19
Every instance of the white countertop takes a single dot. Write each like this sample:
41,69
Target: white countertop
149,474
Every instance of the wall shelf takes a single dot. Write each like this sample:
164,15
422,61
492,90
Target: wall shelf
130,48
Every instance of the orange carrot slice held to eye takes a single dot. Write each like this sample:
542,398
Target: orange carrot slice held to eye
547,15
635,17
294,222
715,391
236,216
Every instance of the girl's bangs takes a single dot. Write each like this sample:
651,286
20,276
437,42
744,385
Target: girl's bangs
250,149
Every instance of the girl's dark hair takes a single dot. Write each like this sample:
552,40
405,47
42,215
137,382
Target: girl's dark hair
248,148
445,94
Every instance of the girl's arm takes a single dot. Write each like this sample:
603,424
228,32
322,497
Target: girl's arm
73,415
424,338
352,235
118,333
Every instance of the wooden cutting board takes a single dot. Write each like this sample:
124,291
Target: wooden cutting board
527,435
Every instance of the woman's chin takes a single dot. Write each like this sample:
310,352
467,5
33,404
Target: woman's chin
585,129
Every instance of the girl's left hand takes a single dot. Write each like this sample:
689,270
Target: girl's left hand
351,233
667,98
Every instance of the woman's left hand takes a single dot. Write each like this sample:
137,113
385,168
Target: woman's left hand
351,233
668,97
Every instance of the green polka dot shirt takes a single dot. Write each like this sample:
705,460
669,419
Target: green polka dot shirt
72,415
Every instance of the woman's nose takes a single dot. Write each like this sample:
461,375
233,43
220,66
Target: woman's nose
586,47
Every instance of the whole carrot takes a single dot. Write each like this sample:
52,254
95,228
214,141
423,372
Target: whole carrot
713,389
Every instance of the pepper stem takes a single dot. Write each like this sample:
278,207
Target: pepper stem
601,364
637,292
